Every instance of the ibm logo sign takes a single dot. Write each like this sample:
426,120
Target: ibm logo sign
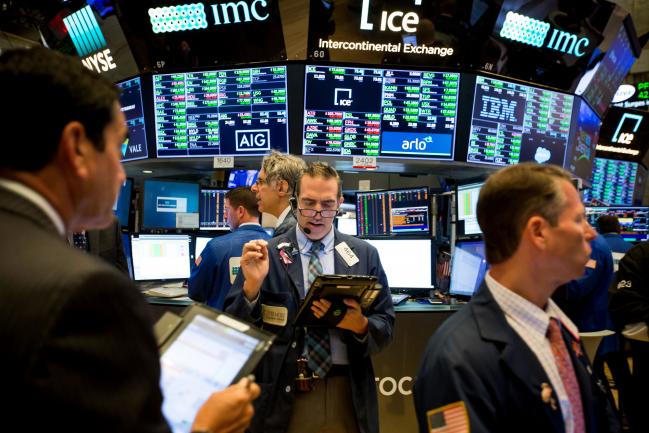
84,31
533,32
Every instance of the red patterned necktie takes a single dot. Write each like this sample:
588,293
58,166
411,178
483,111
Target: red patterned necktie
567,373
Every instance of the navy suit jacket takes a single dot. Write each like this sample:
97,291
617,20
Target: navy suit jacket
287,225
78,352
476,357
277,372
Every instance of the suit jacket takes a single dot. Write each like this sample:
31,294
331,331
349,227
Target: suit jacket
209,282
108,245
476,357
286,225
277,372
78,352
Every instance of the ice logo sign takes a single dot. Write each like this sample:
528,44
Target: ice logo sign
626,137
252,140
343,97
534,32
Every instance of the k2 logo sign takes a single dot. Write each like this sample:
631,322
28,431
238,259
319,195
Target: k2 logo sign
252,140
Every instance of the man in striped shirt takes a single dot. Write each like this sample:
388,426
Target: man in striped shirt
511,360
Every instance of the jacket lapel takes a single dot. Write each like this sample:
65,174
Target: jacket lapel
584,374
340,266
293,269
515,353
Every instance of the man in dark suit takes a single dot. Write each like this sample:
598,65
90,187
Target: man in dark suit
511,360
78,351
275,186
274,277
105,243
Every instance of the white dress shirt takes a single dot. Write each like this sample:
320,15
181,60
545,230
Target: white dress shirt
531,324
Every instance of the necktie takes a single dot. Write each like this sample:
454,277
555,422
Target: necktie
567,374
318,346
79,240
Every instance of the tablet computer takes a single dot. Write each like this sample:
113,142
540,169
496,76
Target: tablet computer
201,352
335,288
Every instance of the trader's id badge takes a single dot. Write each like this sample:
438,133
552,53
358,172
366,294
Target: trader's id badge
272,315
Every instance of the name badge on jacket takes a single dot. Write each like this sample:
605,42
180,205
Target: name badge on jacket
347,254
272,315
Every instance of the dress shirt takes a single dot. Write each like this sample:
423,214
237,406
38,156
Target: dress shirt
37,199
531,324
282,216
326,256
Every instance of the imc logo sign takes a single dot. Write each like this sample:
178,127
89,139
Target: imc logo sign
193,16
87,38
533,32
252,140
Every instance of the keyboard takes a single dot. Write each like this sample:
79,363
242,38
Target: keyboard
166,292
398,298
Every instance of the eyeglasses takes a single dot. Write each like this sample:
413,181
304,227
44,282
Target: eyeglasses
324,213
260,181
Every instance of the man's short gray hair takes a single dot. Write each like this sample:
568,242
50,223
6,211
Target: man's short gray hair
281,166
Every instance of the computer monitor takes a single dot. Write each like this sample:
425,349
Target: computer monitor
468,268
170,205
613,182
407,262
634,221
160,257
514,123
239,112
397,212
122,205
346,225
200,243
212,209
467,215
135,146
126,244
379,112
242,178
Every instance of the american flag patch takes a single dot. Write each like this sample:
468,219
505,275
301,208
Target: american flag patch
452,418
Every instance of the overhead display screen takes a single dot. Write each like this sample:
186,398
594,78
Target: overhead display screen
135,146
514,123
379,112
226,112
581,150
613,182
624,135
393,212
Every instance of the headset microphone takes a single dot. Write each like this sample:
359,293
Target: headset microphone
293,202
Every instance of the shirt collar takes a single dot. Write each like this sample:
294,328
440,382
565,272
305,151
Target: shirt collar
524,311
304,243
282,216
249,224
37,199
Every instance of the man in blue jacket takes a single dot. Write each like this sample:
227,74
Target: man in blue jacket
511,360
218,264
275,275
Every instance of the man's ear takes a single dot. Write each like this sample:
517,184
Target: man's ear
282,187
535,231
74,149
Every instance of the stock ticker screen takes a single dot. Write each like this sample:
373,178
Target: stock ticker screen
613,182
212,209
393,212
513,123
226,112
633,220
135,146
379,112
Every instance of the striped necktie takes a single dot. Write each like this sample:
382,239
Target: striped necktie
318,346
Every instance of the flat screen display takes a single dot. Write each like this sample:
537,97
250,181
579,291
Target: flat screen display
199,244
613,182
346,225
212,209
227,112
633,220
468,268
393,212
581,149
514,123
379,112
467,203
406,262
242,178
624,135
122,205
170,205
160,257
135,146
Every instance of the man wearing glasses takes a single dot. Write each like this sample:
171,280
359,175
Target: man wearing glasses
339,393
275,186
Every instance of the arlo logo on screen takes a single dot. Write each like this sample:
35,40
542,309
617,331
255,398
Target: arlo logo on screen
252,140
395,21
171,204
534,32
193,16
87,39
343,97
416,143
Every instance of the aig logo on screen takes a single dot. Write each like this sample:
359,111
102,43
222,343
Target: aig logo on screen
252,140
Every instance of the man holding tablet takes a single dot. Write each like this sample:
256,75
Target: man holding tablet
78,351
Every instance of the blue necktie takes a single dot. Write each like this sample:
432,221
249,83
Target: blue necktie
318,346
